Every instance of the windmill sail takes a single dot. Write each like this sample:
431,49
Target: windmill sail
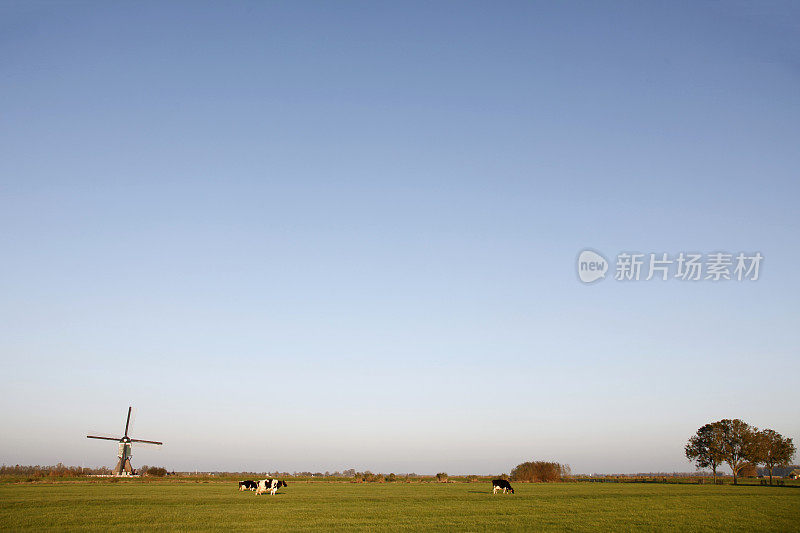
147,441
123,467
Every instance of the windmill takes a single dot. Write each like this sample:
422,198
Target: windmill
123,467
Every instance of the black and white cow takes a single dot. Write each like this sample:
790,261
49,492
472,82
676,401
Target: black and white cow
248,485
269,484
501,484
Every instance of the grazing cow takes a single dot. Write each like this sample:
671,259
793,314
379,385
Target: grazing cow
248,485
498,484
269,484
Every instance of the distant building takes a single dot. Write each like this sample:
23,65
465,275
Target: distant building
779,471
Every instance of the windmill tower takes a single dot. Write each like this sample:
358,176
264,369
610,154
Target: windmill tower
124,455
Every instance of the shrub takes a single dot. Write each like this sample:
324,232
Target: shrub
748,470
442,477
537,471
156,471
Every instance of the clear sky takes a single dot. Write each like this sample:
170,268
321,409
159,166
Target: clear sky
315,236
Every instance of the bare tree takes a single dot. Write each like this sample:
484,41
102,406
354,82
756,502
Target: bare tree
773,449
705,448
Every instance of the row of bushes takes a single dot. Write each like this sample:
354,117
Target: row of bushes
369,477
34,472
535,471
59,470
532,471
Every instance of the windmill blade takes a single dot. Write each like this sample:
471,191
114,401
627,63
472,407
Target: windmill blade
132,421
103,438
147,441
128,421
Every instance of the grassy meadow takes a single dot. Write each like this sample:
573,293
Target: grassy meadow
181,505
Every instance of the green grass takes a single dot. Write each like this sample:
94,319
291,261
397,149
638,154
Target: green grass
175,505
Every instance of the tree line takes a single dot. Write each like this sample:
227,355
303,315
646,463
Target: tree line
738,444
61,471
58,470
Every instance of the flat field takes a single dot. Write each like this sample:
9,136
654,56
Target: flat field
184,505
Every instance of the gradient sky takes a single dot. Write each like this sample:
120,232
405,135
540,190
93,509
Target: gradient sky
315,236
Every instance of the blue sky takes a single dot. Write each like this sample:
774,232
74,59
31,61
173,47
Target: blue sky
315,236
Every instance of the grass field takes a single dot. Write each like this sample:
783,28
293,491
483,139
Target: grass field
172,505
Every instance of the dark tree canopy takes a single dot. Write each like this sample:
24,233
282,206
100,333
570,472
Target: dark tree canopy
705,447
738,444
732,441
773,449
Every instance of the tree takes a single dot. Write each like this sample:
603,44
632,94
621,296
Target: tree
537,471
705,448
442,477
738,444
773,449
